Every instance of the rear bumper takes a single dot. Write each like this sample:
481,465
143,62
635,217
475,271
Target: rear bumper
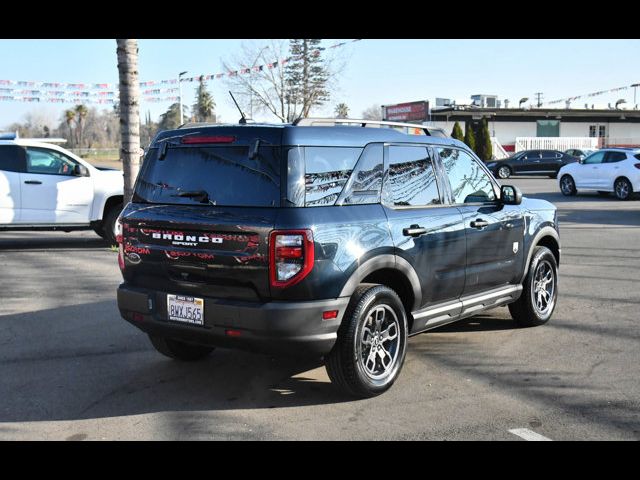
291,328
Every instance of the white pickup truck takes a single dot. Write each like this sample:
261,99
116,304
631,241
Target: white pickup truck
45,187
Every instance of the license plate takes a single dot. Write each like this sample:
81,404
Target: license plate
185,309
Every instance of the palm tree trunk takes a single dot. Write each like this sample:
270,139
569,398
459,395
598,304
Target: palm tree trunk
129,113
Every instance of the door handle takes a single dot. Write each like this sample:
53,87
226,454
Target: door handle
33,182
414,231
479,223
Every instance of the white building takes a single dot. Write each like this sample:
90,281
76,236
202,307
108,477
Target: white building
611,127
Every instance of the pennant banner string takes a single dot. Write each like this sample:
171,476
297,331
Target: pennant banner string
63,92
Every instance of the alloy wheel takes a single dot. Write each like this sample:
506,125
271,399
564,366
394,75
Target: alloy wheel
379,342
622,189
567,186
543,288
503,172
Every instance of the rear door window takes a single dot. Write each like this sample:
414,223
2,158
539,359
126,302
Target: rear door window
225,174
614,157
365,183
411,179
12,158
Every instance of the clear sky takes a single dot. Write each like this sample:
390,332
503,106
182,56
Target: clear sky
376,71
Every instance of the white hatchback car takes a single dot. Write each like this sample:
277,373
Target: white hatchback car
45,187
607,170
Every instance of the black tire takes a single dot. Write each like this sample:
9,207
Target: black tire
346,364
179,350
622,189
568,186
554,175
503,172
526,310
108,224
99,231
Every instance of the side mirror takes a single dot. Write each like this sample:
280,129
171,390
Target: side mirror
81,171
510,195
581,160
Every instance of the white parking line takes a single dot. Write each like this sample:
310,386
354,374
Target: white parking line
529,435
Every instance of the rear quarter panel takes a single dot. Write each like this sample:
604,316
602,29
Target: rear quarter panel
344,238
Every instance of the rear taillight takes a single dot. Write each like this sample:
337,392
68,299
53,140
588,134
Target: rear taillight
637,165
291,256
120,244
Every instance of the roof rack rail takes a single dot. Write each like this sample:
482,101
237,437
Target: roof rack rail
308,122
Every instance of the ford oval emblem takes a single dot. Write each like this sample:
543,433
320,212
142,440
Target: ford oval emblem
133,258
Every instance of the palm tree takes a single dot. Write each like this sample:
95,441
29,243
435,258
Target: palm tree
342,110
70,116
129,112
81,112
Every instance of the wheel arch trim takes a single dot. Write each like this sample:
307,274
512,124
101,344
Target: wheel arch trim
385,261
546,231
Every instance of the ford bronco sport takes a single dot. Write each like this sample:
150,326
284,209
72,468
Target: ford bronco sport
333,238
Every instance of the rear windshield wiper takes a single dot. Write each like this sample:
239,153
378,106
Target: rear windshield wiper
202,194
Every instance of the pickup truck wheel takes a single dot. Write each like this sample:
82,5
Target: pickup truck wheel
109,224
371,345
539,291
179,350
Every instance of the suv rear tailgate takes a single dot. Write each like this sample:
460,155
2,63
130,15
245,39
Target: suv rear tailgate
208,251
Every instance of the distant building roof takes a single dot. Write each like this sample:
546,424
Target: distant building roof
531,114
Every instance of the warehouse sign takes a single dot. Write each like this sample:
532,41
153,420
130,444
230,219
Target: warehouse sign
407,112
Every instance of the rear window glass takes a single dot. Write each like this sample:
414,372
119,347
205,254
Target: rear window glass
225,174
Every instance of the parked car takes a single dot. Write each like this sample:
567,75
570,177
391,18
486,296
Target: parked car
46,187
334,241
579,152
531,162
607,170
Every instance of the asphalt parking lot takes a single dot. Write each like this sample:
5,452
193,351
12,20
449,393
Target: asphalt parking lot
72,369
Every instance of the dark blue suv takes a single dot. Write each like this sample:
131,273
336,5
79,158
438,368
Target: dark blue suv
337,241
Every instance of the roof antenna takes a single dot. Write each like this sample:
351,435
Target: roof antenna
243,120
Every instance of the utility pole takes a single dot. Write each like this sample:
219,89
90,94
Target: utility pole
635,86
539,96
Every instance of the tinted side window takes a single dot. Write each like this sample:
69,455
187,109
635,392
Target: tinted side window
365,183
469,182
411,180
327,170
613,157
12,158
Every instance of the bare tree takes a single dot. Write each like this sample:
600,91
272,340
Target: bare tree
262,83
374,112
129,112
